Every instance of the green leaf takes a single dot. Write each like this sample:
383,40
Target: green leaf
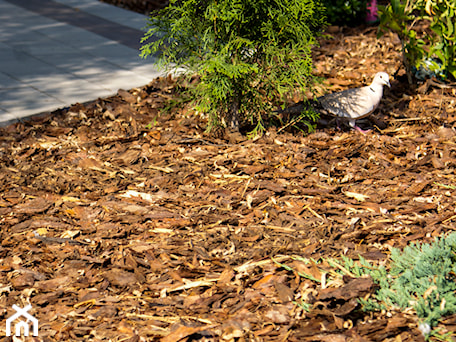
396,6
450,27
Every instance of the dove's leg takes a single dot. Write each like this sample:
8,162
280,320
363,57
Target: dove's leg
362,130
352,124
338,124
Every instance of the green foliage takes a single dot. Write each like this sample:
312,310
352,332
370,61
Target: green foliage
303,275
422,277
434,52
453,187
346,12
441,14
303,305
247,55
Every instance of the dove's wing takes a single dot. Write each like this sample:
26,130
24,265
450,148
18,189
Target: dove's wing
351,103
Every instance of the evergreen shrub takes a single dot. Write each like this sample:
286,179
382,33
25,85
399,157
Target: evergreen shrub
421,277
248,56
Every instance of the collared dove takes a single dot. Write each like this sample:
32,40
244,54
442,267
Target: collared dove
351,104
356,103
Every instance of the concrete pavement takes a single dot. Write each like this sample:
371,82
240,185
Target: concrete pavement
54,53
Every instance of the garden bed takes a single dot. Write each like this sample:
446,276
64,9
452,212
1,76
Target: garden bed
121,222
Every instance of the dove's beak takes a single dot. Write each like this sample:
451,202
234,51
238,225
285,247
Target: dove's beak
388,84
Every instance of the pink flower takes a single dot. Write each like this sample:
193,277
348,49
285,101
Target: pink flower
372,15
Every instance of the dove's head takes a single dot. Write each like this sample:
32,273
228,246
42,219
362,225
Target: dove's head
381,78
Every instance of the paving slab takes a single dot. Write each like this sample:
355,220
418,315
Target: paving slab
54,53
111,13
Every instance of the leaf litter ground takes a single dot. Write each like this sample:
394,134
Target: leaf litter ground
115,231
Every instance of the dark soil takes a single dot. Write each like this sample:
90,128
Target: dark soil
140,6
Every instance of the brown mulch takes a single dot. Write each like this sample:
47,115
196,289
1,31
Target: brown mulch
117,231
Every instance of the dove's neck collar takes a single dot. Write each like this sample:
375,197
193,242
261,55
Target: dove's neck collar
376,88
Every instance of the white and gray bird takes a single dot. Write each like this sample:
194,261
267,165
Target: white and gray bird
351,104
356,103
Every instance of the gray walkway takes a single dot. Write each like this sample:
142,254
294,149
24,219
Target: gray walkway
54,53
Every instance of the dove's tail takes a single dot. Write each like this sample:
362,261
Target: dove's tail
298,108
302,106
